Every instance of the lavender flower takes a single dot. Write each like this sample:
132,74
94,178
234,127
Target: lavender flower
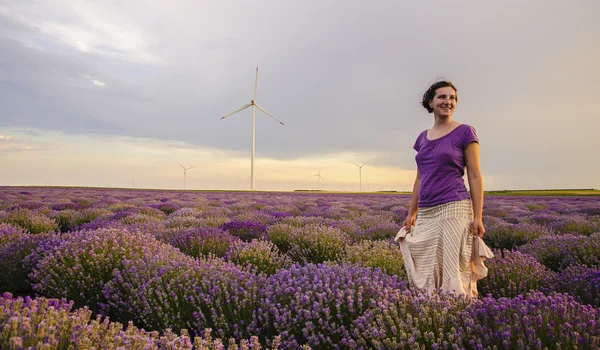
444,321
78,268
42,323
159,292
247,230
205,241
264,256
558,252
318,305
511,236
514,274
15,245
347,226
382,231
377,254
31,221
580,281
316,244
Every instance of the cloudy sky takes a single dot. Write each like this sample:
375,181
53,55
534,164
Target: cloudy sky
115,93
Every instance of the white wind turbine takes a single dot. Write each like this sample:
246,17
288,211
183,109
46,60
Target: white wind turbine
185,172
360,173
254,105
319,177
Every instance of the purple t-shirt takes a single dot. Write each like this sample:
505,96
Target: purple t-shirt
441,163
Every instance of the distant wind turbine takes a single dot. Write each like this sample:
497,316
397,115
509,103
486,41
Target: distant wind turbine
185,173
360,173
319,177
254,105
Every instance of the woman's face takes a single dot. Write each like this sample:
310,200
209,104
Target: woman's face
444,102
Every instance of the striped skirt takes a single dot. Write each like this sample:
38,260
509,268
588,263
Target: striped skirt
438,250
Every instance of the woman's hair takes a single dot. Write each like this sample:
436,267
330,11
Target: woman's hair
430,93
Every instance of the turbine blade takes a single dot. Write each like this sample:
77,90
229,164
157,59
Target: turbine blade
256,84
241,109
267,113
191,167
181,165
365,163
355,164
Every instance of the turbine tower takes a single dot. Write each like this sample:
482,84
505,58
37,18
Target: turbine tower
254,105
360,174
185,172
318,175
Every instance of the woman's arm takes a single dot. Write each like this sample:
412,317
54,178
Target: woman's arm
412,209
476,186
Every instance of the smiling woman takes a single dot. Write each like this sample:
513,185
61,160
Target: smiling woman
448,222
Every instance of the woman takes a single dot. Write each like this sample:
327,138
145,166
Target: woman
447,221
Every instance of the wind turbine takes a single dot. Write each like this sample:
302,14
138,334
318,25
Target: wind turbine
319,177
360,173
184,172
254,105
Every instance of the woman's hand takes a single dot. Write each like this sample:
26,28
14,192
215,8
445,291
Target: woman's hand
409,222
478,229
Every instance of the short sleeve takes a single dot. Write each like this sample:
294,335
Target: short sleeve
417,145
470,135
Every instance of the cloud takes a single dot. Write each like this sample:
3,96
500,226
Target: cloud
11,144
86,27
346,81
97,82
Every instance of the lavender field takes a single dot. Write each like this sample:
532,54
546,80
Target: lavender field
144,269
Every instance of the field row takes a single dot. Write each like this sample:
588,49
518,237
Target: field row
286,270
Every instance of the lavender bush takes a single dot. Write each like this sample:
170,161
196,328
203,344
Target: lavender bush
281,235
511,236
318,305
159,292
65,219
442,321
78,268
514,274
167,208
367,222
31,221
406,319
246,230
300,221
205,241
89,215
580,281
349,227
558,252
533,321
262,255
313,243
577,224
10,233
382,231
15,245
377,254
42,323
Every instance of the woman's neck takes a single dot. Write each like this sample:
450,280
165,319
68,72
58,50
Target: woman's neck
440,123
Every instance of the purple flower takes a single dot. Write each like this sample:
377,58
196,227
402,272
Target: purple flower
247,230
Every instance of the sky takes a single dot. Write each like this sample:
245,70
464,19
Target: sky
116,93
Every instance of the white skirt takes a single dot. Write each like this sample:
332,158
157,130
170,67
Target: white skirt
440,252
